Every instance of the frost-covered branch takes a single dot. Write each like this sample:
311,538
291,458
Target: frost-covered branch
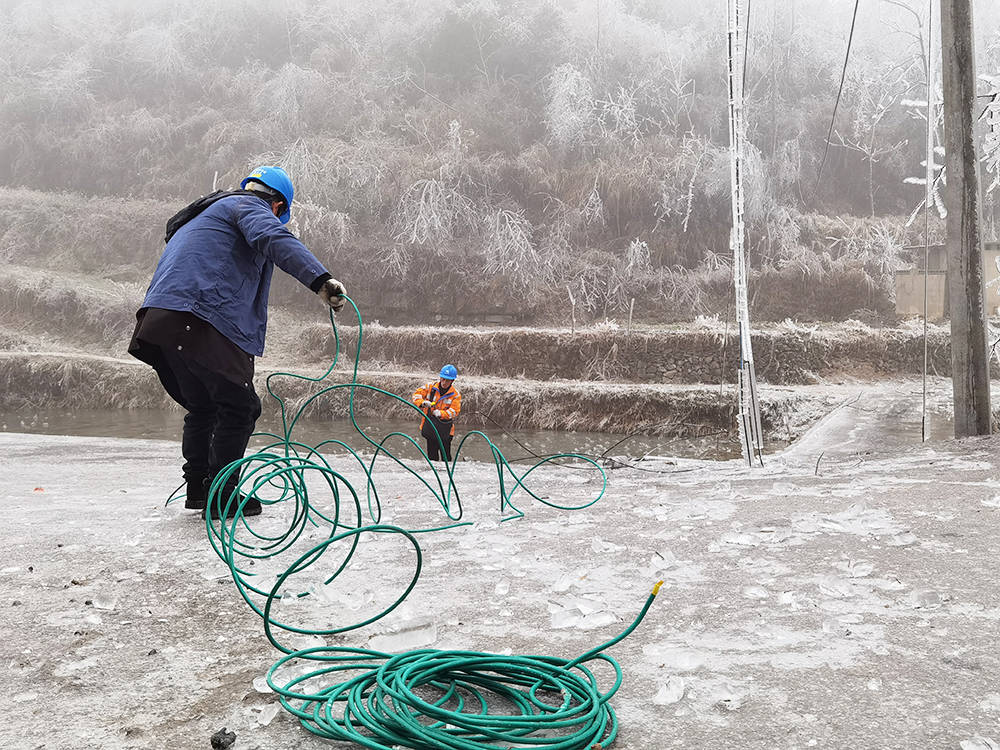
991,145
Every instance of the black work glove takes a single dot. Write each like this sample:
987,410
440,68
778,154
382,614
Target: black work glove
332,293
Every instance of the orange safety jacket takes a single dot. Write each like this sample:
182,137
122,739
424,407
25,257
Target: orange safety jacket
450,403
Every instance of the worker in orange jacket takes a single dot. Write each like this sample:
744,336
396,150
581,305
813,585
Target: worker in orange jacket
441,402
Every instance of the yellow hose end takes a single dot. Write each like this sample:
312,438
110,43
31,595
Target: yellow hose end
656,588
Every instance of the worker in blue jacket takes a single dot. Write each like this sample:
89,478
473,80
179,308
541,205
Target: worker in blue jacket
205,314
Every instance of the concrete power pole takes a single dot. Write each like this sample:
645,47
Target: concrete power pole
969,353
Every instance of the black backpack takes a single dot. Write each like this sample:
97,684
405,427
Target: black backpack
195,207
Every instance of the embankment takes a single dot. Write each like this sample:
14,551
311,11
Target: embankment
58,380
63,341
784,355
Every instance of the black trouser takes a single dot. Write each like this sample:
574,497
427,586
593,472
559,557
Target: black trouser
220,415
430,429
433,449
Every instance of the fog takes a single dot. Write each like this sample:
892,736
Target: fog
540,191
531,146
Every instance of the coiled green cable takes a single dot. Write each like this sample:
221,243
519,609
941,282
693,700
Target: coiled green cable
416,699
428,699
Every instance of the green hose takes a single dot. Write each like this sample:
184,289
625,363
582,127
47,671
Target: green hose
428,699
422,699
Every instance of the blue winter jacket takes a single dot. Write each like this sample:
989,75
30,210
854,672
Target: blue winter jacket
219,267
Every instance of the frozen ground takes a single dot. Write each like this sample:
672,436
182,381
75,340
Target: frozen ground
842,597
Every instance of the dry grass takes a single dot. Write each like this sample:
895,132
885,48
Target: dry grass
82,311
788,353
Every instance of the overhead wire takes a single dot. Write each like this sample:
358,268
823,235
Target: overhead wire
840,91
928,198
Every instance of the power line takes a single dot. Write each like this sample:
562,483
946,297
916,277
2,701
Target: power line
840,90
746,46
928,197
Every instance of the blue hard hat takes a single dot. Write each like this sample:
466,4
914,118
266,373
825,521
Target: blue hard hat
448,372
275,178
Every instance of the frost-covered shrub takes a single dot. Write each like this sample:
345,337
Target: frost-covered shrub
569,110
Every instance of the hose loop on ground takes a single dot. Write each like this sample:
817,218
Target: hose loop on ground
300,547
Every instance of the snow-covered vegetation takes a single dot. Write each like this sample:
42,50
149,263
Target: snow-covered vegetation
517,153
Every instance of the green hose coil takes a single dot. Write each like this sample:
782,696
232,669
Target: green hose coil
421,699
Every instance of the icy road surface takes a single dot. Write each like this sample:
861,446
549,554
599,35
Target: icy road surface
843,602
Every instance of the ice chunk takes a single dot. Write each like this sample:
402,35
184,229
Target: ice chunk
564,618
415,635
901,540
991,702
670,692
664,558
502,587
681,660
740,540
564,582
889,584
788,599
268,713
855,568
260,685
755,592
597,620
835,627
979,743
104,600
925,599
728,697
836,588
585,605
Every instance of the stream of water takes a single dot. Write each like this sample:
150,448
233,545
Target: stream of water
516,445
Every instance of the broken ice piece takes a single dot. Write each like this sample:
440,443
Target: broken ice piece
417,635
104,601
564,618
855,568
979,743
563,584
728,697
925,599
267,714
596,620
670,692
755,592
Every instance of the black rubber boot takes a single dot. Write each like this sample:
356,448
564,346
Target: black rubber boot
250,508
197,490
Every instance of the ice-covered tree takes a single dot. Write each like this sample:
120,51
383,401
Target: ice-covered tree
569,110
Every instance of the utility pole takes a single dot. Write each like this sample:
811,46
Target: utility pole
970,372
751,434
